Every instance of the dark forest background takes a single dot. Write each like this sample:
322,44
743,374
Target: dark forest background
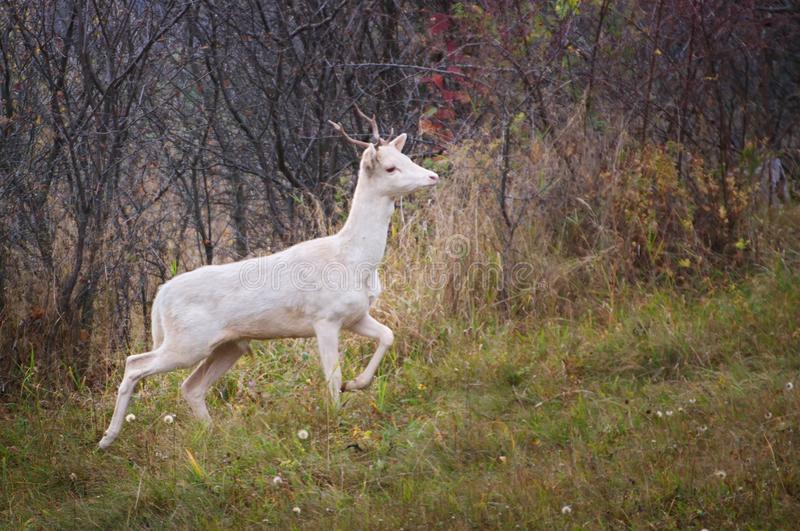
607,143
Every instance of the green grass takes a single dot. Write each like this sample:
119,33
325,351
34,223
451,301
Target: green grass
670,411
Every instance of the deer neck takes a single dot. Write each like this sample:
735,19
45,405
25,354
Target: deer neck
364,233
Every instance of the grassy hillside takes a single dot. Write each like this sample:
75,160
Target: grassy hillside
671,411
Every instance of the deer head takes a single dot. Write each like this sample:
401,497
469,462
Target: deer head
384,168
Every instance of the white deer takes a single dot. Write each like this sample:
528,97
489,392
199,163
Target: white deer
207,317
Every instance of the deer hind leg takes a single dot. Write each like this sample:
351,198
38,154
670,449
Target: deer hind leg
195,387
137,367
372,329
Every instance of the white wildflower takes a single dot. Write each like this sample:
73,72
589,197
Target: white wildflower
721,474
73,476
789,386
567,509
302,435
768,415
692,400
169,419
277,480
680,410
669,412
296,510
659,414
130,417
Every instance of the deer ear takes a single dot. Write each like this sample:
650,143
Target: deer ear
399,142
369,158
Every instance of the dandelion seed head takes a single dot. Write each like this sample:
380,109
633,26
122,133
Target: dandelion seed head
567,509
302,435
169,419
130,417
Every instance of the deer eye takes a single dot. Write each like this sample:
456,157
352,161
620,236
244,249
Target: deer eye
390,169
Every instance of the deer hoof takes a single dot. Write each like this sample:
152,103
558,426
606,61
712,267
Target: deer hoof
352,385
106,441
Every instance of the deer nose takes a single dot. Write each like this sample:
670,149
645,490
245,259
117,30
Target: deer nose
433,177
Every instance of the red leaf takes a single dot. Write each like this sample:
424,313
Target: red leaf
440,22
436,79
445,114
448,95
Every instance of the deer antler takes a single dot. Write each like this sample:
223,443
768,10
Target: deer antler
376,134
359,143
